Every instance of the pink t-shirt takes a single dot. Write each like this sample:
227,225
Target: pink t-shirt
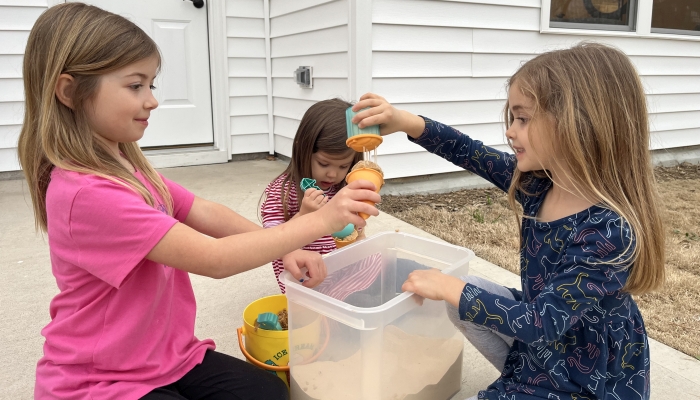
121,325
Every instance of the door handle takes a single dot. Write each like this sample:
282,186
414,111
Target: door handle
197,3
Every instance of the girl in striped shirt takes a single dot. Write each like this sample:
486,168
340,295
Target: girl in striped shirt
319,152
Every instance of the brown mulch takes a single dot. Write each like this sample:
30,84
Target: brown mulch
481,220
454,201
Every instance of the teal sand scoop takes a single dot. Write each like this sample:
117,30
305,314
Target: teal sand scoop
361,139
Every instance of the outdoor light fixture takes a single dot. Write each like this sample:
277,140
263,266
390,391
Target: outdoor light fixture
304,77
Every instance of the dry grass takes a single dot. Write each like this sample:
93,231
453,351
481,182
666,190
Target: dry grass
481,220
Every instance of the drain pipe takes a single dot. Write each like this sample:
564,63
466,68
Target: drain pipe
268,67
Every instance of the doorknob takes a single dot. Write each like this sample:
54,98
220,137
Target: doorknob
197,3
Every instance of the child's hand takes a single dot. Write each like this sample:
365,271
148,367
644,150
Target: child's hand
312,261
389,118
433,284
347,203
361,234
312,201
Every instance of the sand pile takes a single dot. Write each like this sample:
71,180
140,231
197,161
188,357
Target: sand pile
409,364
347,239
367,164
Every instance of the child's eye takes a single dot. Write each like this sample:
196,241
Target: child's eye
522,120
136,86
322,164
153,87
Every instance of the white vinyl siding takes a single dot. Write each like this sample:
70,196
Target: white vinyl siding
306,33
247,71
445,59
16,20
450,59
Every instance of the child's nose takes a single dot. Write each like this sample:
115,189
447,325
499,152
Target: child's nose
509,133
151,103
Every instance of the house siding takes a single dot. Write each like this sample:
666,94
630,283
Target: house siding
449,60
16,20
306,33
446,59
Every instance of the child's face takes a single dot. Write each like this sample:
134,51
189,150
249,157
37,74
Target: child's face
330,169
523,135
119,111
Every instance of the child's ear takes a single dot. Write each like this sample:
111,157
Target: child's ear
64,90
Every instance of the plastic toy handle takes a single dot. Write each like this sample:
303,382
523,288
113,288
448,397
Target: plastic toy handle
308,183
253,360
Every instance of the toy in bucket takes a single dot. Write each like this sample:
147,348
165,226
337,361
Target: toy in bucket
364,140
269,348
344,236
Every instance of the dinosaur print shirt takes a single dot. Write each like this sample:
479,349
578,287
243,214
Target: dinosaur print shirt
578,335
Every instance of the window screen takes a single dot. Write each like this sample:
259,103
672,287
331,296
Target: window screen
676,16
594,14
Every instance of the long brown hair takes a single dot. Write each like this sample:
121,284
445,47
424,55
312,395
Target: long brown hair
322,128
85,42
601,131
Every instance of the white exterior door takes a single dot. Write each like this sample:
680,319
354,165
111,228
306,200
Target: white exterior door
184,114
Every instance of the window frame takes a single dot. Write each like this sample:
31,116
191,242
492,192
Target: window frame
641,26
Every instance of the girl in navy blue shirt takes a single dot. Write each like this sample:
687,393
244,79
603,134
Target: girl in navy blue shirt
581,183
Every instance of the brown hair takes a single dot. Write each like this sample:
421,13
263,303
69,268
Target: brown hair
85,42
601,131
322,128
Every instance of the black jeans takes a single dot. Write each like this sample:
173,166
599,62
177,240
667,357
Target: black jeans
222,377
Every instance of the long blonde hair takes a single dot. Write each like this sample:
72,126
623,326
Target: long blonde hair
85,42
601,132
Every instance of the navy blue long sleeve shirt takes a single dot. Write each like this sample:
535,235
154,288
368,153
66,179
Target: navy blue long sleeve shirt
577,334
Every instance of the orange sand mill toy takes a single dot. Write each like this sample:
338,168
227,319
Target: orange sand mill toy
364,140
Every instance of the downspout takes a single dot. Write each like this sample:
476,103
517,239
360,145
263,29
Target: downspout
360,48
268,73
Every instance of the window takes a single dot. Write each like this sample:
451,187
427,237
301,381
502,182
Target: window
670,19
675,17
612,15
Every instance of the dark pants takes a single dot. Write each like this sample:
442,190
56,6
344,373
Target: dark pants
222,377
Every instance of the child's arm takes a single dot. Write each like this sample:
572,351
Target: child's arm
493,165
572,289
219,221
186,249
216,220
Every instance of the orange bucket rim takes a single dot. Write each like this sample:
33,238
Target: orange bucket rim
282,368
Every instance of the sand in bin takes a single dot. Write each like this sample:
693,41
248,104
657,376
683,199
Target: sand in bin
410,364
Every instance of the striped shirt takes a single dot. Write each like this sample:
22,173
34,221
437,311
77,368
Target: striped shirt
272,214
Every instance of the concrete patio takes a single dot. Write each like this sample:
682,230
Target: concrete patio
27,285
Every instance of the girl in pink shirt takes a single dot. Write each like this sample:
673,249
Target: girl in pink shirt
122,238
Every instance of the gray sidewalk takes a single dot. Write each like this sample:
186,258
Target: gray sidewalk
27,286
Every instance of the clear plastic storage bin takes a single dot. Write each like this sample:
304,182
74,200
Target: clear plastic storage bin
358,336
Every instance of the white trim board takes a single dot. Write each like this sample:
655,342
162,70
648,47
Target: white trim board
218,67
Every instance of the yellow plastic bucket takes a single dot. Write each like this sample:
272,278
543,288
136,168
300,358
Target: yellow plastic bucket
270,349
